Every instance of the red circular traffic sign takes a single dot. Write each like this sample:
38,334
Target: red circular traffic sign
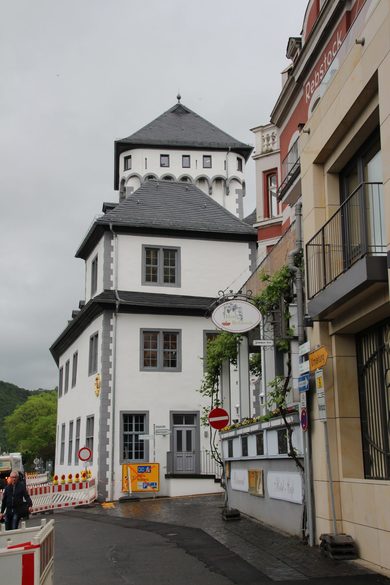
84,454
304,419
218,418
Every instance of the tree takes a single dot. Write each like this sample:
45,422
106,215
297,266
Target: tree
31,428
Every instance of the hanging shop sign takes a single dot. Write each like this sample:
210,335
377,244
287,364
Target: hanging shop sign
236,316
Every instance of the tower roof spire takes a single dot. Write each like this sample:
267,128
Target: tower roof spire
178,97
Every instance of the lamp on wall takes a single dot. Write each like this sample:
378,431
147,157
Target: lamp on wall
360,41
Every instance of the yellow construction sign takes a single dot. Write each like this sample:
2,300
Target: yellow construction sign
143,477
318,358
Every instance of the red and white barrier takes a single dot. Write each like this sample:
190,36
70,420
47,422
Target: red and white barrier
36,479
52,497
27,555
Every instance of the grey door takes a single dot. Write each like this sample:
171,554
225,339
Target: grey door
184,448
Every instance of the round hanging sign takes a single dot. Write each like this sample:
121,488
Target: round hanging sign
236,316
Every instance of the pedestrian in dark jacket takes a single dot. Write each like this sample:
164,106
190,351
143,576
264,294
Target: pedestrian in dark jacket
15,497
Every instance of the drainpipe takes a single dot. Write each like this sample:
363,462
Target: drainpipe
301,338
114,343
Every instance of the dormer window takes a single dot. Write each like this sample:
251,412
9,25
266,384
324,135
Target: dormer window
207,161
164,160
127,163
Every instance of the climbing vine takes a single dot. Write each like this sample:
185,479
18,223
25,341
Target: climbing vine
277,296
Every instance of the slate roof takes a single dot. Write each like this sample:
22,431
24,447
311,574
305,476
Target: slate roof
251,218
180,127
129,302
169,208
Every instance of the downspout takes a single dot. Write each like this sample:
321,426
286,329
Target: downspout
114,344
301,338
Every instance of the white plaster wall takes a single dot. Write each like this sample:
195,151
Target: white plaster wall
99,251
158,393
79,401
207,266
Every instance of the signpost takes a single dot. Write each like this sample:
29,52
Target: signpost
218,418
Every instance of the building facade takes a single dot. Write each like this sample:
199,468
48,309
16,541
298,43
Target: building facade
131,359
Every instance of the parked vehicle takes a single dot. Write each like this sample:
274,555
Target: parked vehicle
10,462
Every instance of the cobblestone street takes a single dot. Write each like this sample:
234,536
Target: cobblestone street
216,551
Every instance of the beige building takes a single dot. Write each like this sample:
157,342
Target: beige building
344,149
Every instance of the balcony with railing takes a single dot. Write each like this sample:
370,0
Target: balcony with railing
290,170
349,251
193,464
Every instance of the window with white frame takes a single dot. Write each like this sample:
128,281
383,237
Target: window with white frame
61,381
260,443
62,444
70,443
89,430
161,266
271,204
93,354
74,368
77,441
67,368
94,275
160,350
133,426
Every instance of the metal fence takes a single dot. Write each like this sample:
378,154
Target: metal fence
354,231
193,463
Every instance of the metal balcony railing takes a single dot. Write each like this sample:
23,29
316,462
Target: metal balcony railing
290,168
192,462
354,231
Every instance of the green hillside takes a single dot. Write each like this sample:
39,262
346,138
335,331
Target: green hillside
11,396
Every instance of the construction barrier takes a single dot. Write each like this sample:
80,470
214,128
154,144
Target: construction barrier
36,478
27,555
52,497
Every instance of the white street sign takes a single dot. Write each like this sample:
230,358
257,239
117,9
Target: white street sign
319,379
304,348
263,342
304,367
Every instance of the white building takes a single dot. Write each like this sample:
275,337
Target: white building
130,360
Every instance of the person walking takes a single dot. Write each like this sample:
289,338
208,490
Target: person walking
15,500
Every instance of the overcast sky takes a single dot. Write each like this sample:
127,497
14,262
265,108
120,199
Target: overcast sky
75,76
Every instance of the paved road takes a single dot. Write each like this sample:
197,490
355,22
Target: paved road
184,540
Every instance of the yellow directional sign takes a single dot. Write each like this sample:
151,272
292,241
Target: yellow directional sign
318,358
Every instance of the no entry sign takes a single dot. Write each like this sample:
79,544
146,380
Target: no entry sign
84,454
218,418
